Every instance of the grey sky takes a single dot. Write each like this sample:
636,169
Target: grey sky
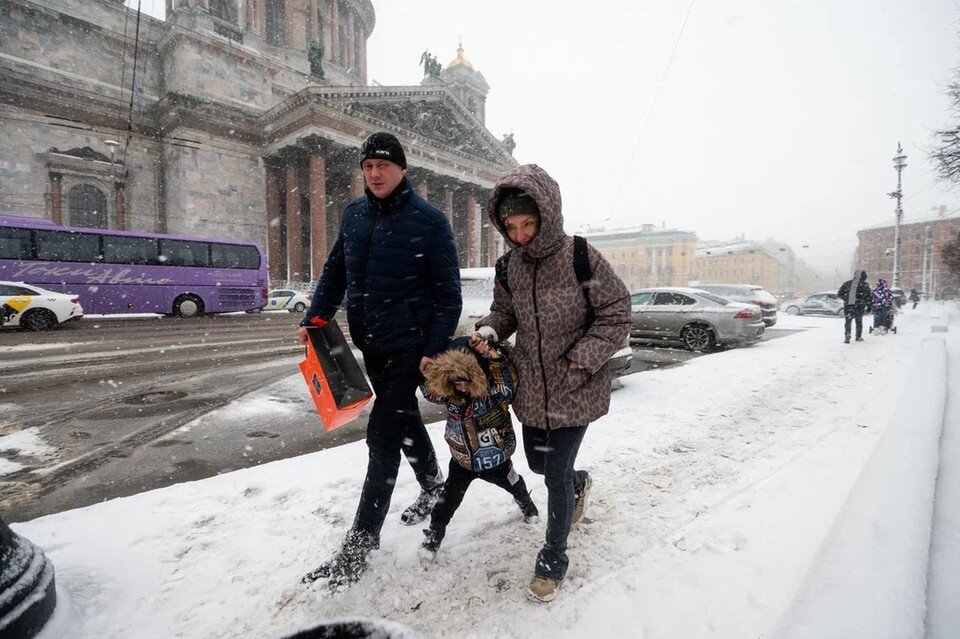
777,118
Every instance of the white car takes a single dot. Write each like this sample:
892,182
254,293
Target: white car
285,299
35,308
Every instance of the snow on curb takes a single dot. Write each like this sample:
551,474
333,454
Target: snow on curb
872,568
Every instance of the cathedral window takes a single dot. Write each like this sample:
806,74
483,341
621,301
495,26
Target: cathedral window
224,9
88,207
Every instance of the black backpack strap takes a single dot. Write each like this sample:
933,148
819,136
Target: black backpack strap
581,267
501,270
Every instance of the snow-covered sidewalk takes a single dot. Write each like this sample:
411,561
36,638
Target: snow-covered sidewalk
719,487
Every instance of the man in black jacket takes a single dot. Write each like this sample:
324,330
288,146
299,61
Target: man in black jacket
856,301
396,261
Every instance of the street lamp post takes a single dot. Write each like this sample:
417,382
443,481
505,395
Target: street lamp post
899,162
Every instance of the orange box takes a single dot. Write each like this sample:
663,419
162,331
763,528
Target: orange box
335,380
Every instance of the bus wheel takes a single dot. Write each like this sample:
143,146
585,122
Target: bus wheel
39,319
188,306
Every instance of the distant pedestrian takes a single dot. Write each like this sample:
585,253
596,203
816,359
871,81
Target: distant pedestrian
855,295
914,297
396,261
476,382
883,308
561,349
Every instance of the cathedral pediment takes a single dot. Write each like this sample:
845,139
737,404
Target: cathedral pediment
430,116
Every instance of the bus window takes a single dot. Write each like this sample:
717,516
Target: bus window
119,249
233,256
14,243
181,253
64,246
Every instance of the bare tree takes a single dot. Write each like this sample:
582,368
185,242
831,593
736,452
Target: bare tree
947,153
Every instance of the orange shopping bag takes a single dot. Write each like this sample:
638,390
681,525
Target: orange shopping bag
335,379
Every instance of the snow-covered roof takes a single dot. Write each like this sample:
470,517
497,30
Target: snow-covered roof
916,219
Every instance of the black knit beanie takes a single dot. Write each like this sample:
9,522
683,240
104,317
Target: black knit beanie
383,146
516,202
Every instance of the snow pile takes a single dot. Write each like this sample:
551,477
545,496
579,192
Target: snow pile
715,486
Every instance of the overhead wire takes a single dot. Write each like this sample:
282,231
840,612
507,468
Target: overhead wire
133,88
653,105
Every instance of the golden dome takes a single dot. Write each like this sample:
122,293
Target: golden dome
460,61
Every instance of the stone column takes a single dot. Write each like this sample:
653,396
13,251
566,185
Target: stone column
473,232
362,50
56,198
448,203
294,225
120,206
422,188
492,236
357,183
251,12
288,22
261,18
318,215
327,34
314,24
351,39
275,260
335,31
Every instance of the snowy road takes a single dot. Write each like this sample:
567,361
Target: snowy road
722,490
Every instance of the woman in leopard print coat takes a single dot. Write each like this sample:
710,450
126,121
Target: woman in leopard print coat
564,381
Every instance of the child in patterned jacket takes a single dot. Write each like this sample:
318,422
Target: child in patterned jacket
476,382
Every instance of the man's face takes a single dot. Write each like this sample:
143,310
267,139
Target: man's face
382,176
521,229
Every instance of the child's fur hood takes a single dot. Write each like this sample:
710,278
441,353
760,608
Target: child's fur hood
455,364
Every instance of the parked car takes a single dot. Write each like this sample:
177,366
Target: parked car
35,308
746,294
287,300
476,286
825,303
697,319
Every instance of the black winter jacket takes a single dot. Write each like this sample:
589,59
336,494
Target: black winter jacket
863,296
397,262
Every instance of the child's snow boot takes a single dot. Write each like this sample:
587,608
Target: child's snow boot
529,509
431,544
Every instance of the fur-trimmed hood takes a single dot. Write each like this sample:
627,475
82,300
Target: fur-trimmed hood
455,364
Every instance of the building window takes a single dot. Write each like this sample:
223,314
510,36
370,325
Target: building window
88,207
224,9
276,18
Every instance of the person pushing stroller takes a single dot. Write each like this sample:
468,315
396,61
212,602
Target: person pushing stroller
476,382
883,308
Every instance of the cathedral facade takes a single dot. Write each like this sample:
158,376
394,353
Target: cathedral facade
237,119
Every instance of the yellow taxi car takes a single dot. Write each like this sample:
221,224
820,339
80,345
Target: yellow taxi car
34,308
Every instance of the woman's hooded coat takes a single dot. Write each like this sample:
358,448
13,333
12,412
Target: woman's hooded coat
545,306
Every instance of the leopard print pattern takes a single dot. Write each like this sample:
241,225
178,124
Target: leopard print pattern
545,308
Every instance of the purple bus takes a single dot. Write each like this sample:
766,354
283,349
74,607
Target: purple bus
127,272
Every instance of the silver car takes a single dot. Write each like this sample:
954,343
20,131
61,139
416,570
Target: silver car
698,319
825,303
748,294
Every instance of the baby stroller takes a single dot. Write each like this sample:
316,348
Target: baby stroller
883,320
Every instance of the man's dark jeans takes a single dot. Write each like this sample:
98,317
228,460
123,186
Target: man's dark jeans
395,424
552,453
853,313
